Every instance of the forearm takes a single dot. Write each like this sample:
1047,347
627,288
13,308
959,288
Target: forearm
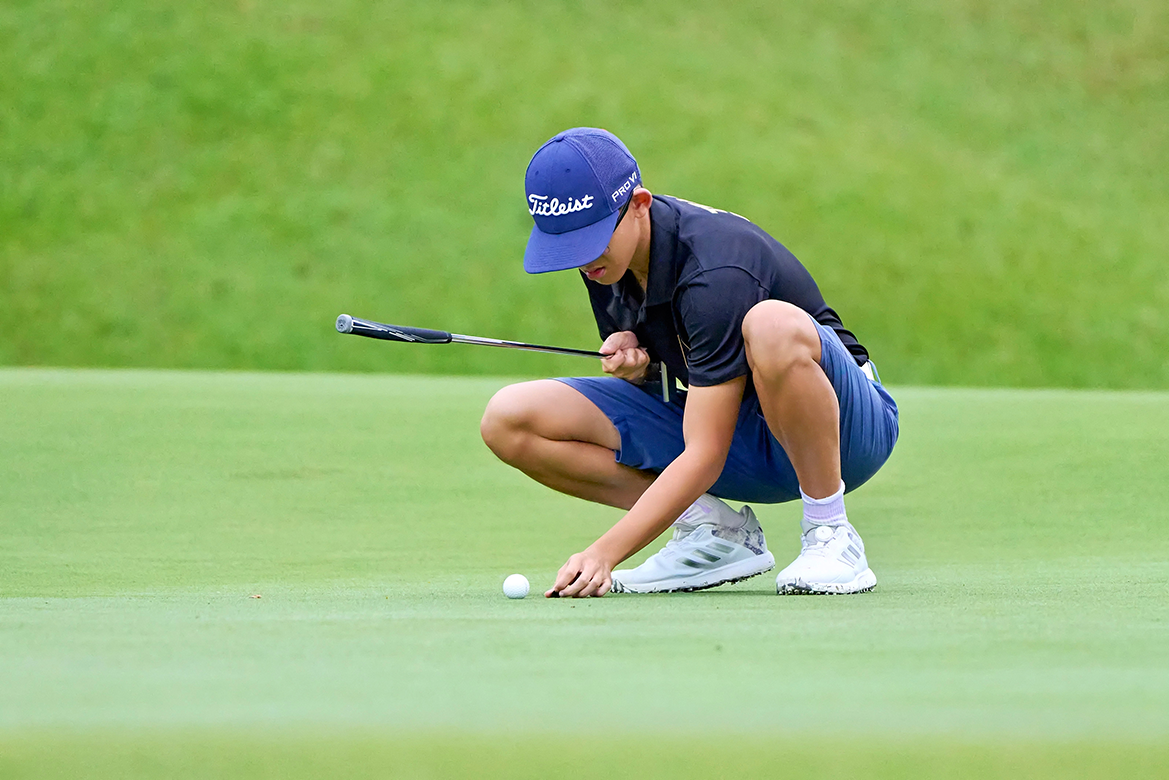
679,485
708,427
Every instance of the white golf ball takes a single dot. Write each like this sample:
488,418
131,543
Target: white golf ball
516,586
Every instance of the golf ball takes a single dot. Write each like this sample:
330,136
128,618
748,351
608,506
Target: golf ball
516,586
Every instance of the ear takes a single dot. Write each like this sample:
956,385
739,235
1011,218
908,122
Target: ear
642,199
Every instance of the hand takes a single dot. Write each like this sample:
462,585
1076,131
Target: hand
586,574
624,359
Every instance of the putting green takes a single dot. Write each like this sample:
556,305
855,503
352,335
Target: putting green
974,185
1018,627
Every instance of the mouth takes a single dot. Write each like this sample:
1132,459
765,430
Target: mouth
595,273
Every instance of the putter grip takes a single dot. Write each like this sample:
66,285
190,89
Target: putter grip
380,330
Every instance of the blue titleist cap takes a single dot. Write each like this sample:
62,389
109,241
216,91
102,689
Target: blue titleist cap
576,185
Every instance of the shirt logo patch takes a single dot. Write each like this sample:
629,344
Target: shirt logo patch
712,210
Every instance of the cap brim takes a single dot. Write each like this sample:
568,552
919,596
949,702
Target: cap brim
562,251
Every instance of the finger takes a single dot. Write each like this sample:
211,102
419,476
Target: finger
612,344
606,586
630,359
584,589
599,585
619,364
568,572
552,593
573,584
633,367
593,586
618,341
573,589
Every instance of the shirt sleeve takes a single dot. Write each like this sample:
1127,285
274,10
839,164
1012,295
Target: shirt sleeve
712,306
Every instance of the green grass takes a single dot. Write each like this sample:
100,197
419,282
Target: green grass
1018,628
977,186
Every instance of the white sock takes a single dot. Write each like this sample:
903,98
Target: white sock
708,509
824,511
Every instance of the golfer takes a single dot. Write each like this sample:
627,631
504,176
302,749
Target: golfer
729,378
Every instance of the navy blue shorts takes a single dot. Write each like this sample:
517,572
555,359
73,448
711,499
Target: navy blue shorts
757,468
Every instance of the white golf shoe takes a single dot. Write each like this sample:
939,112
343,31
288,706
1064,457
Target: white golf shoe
832,562
712,545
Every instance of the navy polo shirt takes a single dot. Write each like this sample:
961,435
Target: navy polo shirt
707,268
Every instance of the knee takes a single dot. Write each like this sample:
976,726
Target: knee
779,335
506,421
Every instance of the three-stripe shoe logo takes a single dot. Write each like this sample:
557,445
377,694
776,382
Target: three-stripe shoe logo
851,554
710,557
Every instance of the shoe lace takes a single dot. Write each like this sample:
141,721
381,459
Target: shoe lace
675,543
680,541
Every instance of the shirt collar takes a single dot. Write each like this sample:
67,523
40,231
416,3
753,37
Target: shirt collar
663,249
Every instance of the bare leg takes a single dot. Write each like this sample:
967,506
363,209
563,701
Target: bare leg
798,402
559,438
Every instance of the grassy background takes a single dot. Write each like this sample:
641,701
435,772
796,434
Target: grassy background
978,186
1017,629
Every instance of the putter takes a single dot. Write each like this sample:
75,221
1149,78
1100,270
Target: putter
380,330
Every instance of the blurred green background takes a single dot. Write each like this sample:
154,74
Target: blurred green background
979,187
